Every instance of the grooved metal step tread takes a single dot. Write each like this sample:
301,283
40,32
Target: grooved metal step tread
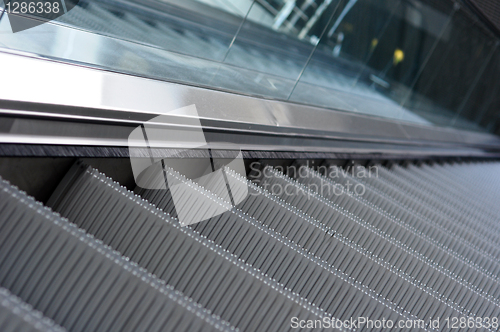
412,244
181,257
80,283
16,315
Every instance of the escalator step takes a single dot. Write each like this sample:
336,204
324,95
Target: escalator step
16,315
191,263
80,283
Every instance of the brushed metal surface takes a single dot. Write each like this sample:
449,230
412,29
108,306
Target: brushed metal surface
115,103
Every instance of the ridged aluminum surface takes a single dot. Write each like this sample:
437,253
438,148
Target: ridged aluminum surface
16,315
418,242
80,283
490,9
194,265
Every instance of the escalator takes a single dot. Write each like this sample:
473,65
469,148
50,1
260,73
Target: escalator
176,166
405,251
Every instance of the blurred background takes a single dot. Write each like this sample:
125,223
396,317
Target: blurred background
431,62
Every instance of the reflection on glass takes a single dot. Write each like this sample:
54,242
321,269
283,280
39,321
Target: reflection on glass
452,72
481,108
418,61
425,61
355,60
276,60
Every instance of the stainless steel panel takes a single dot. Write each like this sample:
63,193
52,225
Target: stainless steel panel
102,97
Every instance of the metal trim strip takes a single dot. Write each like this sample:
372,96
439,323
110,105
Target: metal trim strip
98,96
